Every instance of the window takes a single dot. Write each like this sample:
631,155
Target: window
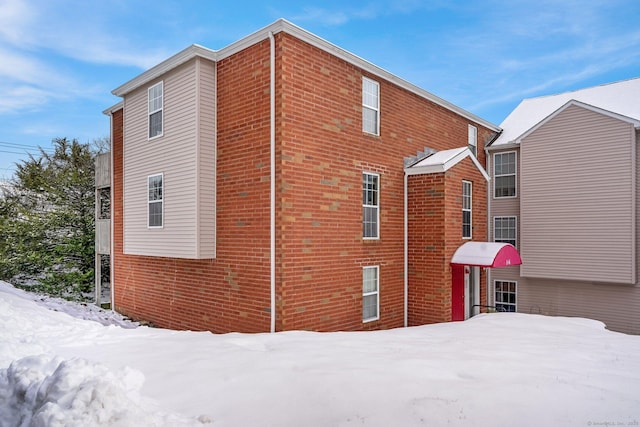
473,139
155,95
504,229
370,206
370,294
466,209
155,201
505,293
370,106
504,173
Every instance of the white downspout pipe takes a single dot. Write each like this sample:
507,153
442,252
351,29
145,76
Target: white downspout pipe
112,270
272,94
406,252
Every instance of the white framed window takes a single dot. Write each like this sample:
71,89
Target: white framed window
156,102
370,293
473,139
504,174
466,209
370,205
155,201
505,295
504,229
370,106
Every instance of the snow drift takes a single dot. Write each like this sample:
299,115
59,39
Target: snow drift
500,369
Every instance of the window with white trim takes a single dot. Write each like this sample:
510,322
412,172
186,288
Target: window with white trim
466,209
504,174
155,201
370,205
370,294
370,106
505,295
155,98
473,139
504,229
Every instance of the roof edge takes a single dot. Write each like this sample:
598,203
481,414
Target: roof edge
282,25
584,105
447,164
163,67
113,108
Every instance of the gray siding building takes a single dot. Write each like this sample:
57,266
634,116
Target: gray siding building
565,192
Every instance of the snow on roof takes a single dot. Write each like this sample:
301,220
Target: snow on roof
619,97
441,161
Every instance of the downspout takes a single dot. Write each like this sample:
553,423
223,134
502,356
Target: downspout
406,252
111,215
272,106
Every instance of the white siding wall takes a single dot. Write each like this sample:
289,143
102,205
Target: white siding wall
577,217
207,159
176,155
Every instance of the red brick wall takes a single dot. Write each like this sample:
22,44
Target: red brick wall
321,155
232,292
435,233
429,276
466,170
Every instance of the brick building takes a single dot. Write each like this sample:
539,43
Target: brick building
283,183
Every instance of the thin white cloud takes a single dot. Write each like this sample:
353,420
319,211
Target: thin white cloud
85,31
15,17
16,98
322,16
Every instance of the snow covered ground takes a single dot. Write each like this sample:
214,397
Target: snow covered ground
59,369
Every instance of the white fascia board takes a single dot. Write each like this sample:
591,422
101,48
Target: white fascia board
507,145
282,25
113,108
351,58
636,123
165,66
456,157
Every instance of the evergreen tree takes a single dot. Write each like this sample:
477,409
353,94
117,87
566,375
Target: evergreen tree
47,222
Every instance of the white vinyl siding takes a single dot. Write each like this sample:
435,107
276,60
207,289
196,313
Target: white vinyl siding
370,205
466,209
155,200
473,139
505,229
370,294
370,106
578,189
185,155
155,96
504,174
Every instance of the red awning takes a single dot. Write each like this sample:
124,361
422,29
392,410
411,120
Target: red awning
486,254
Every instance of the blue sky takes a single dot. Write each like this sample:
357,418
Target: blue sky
59,59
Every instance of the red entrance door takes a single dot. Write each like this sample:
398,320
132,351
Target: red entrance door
457,292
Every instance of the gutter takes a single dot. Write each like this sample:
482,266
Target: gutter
272,148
